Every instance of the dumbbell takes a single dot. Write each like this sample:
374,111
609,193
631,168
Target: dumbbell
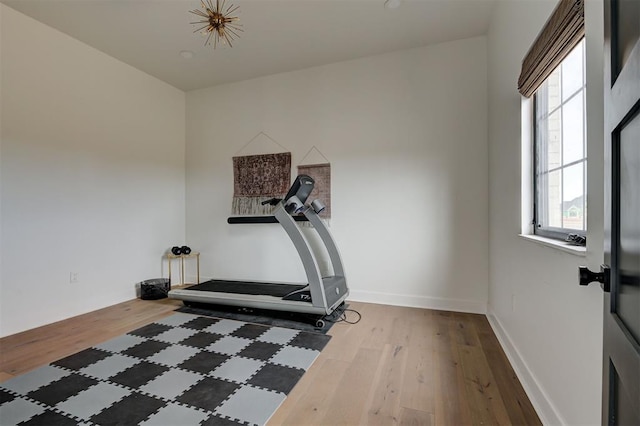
177,251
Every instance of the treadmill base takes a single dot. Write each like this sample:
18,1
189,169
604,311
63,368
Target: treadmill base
300,321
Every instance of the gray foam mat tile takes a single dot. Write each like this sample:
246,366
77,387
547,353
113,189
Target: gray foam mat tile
175,335
172,383
177,319
175,414
120,343
35,379
229,345
93,400
224,326
109,366
173,355
278,335
295,357
251,405
18,410
238,369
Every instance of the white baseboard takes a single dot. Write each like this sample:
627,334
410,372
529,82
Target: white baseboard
545,409
440,304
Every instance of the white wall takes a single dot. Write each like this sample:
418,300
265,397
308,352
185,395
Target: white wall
406,135
550,326
92,175
1,11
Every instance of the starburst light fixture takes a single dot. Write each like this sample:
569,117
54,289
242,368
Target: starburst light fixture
219,22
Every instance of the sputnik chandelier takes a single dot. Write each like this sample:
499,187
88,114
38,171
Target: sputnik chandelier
219,23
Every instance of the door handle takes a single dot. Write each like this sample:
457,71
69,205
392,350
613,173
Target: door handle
603,277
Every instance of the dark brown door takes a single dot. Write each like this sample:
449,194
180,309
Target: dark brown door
621,378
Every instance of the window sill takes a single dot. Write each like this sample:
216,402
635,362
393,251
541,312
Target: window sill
556,244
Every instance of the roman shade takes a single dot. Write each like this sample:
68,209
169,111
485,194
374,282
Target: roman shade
562,32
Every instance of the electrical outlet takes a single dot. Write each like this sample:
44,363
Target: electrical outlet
73,277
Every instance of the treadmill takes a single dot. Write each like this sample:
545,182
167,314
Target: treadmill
319,295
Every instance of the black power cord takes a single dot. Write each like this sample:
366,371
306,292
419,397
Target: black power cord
340,315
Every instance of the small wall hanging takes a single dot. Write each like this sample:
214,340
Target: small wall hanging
321,173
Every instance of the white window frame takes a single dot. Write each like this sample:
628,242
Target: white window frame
539,227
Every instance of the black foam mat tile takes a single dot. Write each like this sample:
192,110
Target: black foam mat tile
82,359
130,410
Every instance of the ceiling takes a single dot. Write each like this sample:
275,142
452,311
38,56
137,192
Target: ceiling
279,35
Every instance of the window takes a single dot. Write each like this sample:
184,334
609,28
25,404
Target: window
560,158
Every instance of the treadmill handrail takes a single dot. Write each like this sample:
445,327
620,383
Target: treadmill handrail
309,262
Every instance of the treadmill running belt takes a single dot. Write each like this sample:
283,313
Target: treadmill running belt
247,287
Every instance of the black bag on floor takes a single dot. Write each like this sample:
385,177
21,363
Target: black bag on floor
156,288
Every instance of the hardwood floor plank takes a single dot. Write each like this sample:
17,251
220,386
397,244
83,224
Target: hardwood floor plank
378,331
401,327
515,398
348,333
5,376
423,329
484,398
349,398
383,405
409,417
418,390
451,405
463,329
308,405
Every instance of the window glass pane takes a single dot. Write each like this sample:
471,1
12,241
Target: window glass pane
541,105
572,130
572,72
554,197
573,197
553,89
554,140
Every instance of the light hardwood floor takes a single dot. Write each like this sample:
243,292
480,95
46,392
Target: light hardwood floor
396,366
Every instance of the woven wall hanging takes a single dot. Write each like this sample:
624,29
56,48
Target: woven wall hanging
257,178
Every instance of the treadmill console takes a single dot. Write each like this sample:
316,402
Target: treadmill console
301,188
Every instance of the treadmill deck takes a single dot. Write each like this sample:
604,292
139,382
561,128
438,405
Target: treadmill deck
247,287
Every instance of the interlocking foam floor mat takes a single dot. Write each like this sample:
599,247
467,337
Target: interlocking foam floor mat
185,369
